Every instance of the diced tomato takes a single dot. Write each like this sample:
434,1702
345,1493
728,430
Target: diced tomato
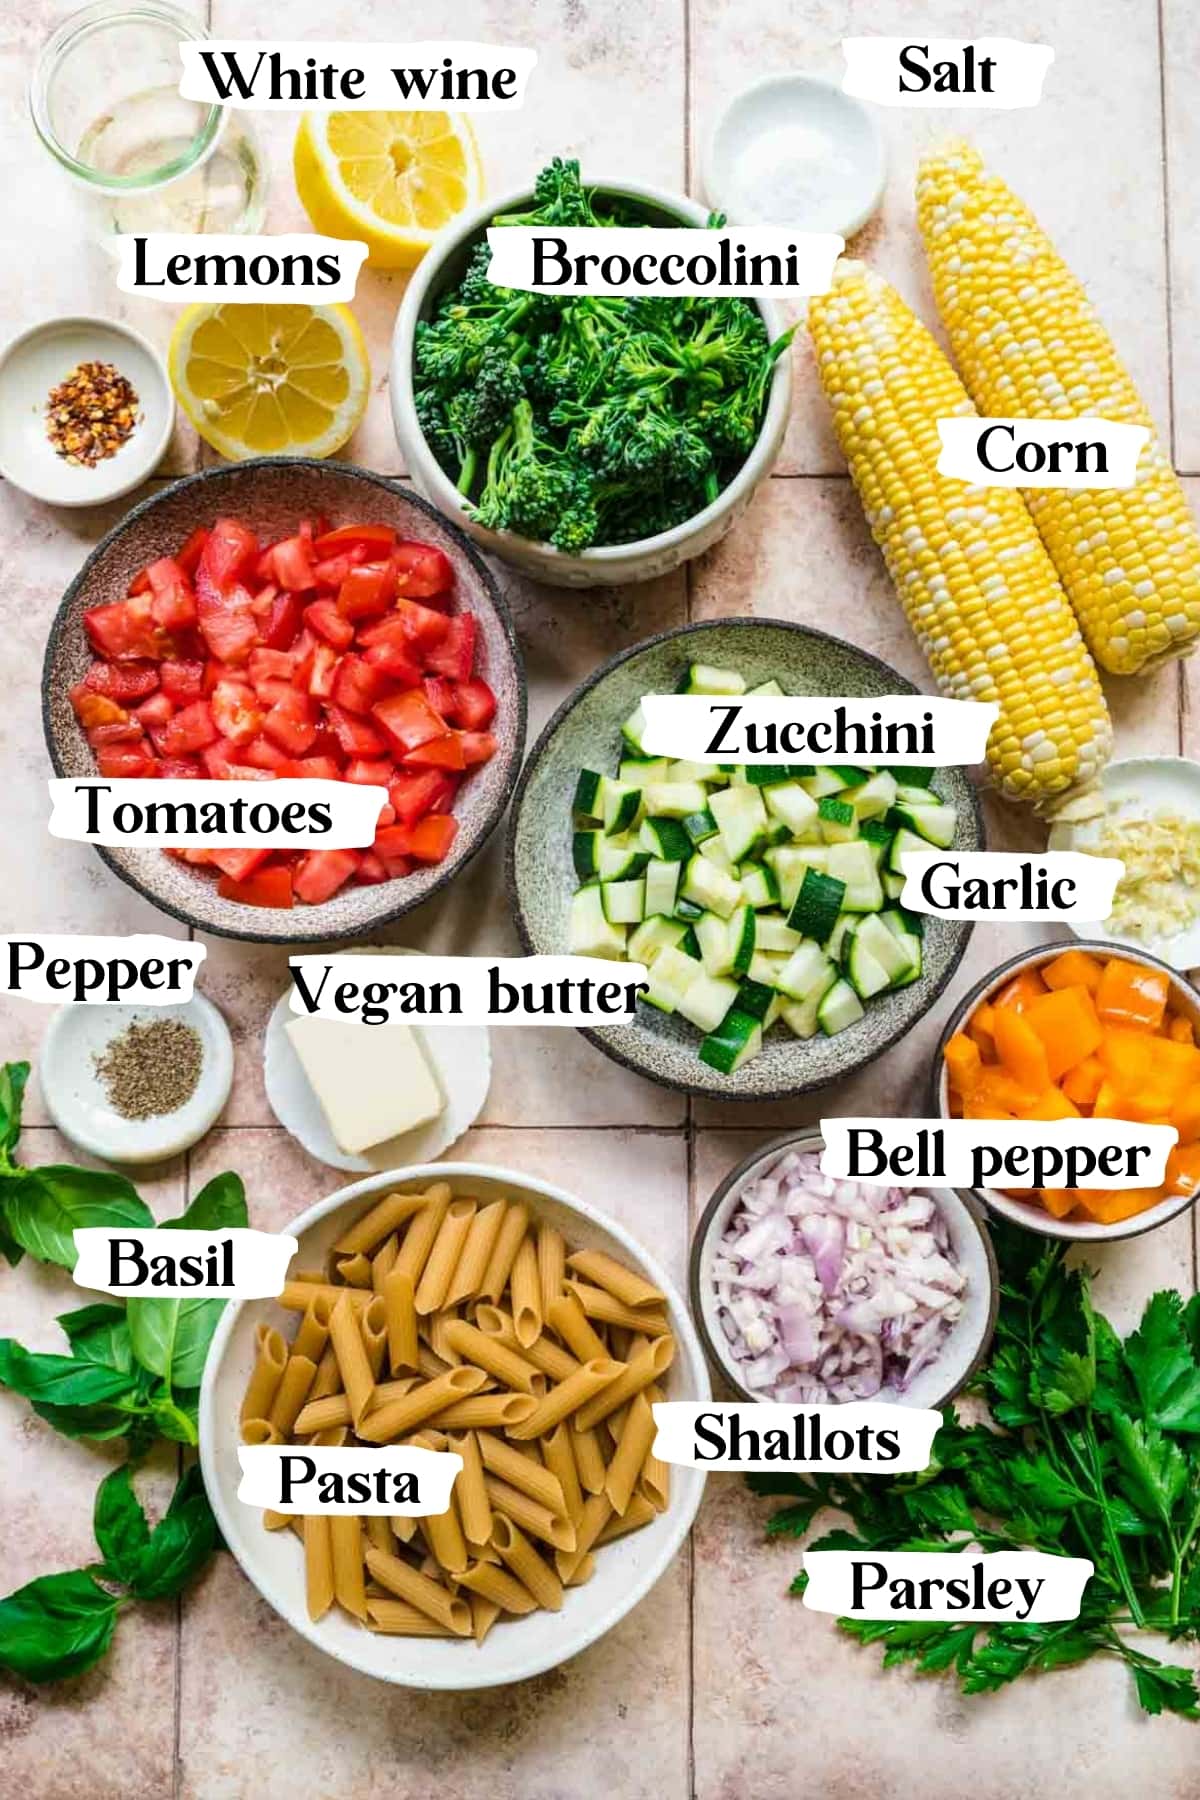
357,685
408,720
376,540
439,753
413,794
95,709
179,768
171,598
301,653
477,747
293,565
440,694
291,723
218,759
367,591
183,681
391,841
410,624
271,689
122,763
235,711
139,585
156,710
371,869
283,622
455,655
266,887
428,841
366,772
354,735
228,551
261,753
333,570
387,814
227,621
311,768
237,771
120,731
192,728
474,704
193,548
421,570
394,661
323,617
126,630
122,681
321,873
270,665
324,669
237,862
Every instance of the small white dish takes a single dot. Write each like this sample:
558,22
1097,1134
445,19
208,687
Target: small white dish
1139,787
462,1061
34,363
78,1104
273,1561
794,150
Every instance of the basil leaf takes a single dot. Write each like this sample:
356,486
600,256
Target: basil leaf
219,1206
43,1208
174,1419
10,1180
180,1544
171,1337
99,1422
120,1525
13,1077
99,1334
59,1380
56,1626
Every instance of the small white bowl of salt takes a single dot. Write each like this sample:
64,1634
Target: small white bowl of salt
794,150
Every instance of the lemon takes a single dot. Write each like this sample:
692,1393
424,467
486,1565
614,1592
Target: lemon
389,179
261,380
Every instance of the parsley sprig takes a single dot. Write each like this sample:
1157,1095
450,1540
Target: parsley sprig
1093,1450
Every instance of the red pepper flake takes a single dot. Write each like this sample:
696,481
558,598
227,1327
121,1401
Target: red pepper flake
91,414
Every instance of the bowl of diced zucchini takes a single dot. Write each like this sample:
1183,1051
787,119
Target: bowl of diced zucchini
763,901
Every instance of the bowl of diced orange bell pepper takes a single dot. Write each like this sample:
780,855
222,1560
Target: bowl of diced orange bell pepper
1081,1032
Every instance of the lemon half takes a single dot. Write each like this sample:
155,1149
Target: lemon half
390,179
261,380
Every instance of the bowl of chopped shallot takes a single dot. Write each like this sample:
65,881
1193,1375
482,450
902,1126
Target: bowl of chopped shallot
810,1290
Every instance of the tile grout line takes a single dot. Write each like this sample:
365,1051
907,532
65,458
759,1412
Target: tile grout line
177,1722
1166,181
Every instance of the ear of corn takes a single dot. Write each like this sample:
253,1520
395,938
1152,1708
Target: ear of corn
1029,345
973,576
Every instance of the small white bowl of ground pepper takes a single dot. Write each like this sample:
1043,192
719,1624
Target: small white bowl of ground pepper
86,411
136,1084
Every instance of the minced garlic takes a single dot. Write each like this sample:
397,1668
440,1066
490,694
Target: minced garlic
1159,893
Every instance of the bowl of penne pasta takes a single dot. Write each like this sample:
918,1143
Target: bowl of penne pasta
464,1308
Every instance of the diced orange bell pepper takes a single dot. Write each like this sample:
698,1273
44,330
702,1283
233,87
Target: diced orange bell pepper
1130,994
976,1107
963,1062
979,1028
1021,1051
1183,1170
1082,1083
1179,1029
1139,1062
1016,994
1185,1116
1059,1201
997,1095
1074,968
1109,1206
1067,1025
1053,1104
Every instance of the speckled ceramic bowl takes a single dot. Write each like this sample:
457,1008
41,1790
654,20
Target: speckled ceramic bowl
271,494
585,733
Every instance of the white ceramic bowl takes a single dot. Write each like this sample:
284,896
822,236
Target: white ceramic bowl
965,1347
1028,1213
604,565
768,126
34,363
626,1570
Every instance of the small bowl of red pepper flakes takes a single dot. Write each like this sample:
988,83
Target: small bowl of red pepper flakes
86,411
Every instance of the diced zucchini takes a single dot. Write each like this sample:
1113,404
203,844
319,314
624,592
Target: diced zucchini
665,838
741,930
872,799
891,883
755,998
889,951
766,774
766,690
817,905
587,802
904,841
789,863
837,821
839,934
822,781
674,799
734,1041
585,853
624,901
773,933
849,774
662,885
713,850
807,971
688,911
854,864
707,1001
698,827
794,807
590,933
758,884
707,773
839,1008
741,818
800,1017
936,824
669,979
619,859
704,678
620,802
638,770
634,729
716,945
866,976
920,778
906,928
653,935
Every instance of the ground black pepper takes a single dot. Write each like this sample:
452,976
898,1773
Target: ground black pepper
151,1067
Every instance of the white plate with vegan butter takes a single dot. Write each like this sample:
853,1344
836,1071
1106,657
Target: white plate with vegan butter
333,1085
1147,812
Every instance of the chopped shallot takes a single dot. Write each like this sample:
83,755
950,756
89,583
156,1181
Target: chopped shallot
832,1290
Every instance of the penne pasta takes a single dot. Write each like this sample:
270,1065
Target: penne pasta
605,1271
491,1355
438,1341
568,1319
378,1531
260,1431
589,1379
523,1472
508,1240
495,1584
269,1363
423,1228
543,1353
297,1296
560,1461
443,1256
526,1293
373,1325
597,1511
384,1261
487,1412
313,1335
476,1253
397,1417
523,1562
589,1459
396,1618
583,1571
358,1382
474,1507
407,1583
369,1231
632,1450
551,1264
553,1528
354,1270
638,1513
328,1378
346,1543
318,1565
400,1316
291,1393
598,1303
647,1365
484,1614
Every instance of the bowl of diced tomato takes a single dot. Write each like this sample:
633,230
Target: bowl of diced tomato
1081,1031
286,618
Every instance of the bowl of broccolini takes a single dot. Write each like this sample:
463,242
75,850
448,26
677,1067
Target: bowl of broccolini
585,439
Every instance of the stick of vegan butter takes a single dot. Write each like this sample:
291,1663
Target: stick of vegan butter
373,1082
